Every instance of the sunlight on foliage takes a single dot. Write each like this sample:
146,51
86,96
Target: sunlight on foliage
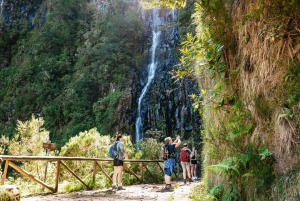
88,143
4,141
149,149
29,142
149,4
29,138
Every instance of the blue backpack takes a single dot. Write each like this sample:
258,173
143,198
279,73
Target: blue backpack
113,150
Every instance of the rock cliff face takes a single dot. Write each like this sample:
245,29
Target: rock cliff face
166,109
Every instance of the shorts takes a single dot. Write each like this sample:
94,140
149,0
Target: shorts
185,165
168,171
193,162
118,162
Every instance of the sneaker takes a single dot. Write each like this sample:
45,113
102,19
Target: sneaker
114,187
184,181
120,188
190,180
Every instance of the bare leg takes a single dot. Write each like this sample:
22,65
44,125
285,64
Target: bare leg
120,171
193,170
115,174
168,179
189,171
183,165
184,173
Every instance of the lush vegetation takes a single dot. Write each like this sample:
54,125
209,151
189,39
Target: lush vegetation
71,69
246,60
245,56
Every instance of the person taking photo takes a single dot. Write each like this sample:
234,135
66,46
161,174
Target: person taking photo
169,164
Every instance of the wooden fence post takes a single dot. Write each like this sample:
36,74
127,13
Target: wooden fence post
5,172
142,169
57,176
94,171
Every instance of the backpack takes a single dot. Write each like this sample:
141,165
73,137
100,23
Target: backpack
184,155
113,150
164,153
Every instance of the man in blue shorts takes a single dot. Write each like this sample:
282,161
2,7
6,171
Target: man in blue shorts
169,164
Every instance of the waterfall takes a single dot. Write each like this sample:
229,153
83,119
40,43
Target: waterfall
151,74
1,6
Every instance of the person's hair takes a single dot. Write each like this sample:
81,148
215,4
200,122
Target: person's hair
185,145
119,137
167,140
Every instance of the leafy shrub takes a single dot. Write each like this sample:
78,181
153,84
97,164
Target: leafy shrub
29,138
29,142
90,144
149,149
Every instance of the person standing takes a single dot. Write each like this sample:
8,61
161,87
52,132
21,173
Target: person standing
194,164
169,164
118,164
185,158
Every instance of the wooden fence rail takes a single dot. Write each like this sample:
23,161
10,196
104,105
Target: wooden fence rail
60,163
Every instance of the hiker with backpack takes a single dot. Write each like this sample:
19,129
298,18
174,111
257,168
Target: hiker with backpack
169,156
119,155
185,158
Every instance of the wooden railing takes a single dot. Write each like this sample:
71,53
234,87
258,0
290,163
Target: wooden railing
59,163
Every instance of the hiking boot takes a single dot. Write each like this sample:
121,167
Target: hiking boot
120,188
184,181
114,187
169,187
190,180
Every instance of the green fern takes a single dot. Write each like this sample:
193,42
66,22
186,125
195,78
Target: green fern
228,166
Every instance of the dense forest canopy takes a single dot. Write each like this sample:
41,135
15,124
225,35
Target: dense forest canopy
70,67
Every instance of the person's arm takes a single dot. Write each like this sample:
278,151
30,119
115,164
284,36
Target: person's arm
177,142
123,150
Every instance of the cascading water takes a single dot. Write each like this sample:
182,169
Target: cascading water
162,105
1,6
151,74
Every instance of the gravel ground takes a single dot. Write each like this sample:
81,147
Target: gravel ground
132,193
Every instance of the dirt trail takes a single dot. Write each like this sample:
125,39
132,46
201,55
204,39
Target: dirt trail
131,193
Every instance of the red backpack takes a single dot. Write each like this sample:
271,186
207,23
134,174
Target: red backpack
184,155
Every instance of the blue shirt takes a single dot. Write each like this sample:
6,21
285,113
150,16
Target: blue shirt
120,148
170,163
